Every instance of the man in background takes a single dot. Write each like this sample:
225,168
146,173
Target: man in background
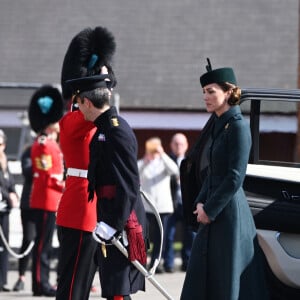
179,146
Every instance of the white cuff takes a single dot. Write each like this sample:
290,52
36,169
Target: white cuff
105,231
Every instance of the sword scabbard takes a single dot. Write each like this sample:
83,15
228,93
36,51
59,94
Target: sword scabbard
103,249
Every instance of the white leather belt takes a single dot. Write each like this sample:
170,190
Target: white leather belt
77,172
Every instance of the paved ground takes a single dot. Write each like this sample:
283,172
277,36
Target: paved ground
172,283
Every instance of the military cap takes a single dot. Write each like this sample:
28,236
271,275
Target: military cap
88,51
83,84
45,108
217,75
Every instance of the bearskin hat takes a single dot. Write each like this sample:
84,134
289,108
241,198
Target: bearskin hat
88,51
45,108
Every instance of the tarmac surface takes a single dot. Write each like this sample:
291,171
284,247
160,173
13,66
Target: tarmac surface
170,282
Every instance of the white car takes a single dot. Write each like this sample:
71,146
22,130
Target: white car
272,185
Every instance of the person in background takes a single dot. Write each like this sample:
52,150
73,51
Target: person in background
45,109
178,146
225,262
155,170
28,225
76,216
113,176
8,200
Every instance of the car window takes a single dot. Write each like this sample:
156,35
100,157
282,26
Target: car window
272,114
277,132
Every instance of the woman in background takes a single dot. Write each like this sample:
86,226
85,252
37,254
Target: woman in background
8,200
155,170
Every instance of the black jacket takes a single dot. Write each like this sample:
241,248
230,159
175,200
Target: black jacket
193,171
26,164
113,175
7,185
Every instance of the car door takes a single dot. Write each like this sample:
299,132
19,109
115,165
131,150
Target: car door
272,186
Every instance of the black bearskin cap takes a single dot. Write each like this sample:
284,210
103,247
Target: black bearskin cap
45,108
88,51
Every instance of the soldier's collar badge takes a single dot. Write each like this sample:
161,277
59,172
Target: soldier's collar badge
101,137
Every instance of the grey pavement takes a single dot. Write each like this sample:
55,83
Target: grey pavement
171,282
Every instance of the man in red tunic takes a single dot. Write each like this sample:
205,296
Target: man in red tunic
76,216
45,109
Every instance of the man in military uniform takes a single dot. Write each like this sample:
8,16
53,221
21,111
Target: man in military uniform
89,52
45,109
113,176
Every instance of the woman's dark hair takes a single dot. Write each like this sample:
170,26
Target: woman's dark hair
235,96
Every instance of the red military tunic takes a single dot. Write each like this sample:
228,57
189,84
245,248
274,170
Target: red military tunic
47,167
75,137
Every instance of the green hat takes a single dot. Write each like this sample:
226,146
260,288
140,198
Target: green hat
217,75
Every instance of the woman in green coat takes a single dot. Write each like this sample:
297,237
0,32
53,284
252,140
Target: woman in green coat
226,262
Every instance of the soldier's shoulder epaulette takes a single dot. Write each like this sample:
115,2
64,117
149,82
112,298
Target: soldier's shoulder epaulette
114,121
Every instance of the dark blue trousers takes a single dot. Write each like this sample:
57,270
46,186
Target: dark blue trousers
187,239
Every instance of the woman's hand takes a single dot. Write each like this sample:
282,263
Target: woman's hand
201,214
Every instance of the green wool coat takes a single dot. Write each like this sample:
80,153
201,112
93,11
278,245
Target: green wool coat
225,263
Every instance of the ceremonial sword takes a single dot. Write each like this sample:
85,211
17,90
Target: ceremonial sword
147,274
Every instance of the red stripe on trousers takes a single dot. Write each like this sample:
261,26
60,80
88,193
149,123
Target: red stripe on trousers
75,267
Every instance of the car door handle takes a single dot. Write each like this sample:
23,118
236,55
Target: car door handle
287,196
